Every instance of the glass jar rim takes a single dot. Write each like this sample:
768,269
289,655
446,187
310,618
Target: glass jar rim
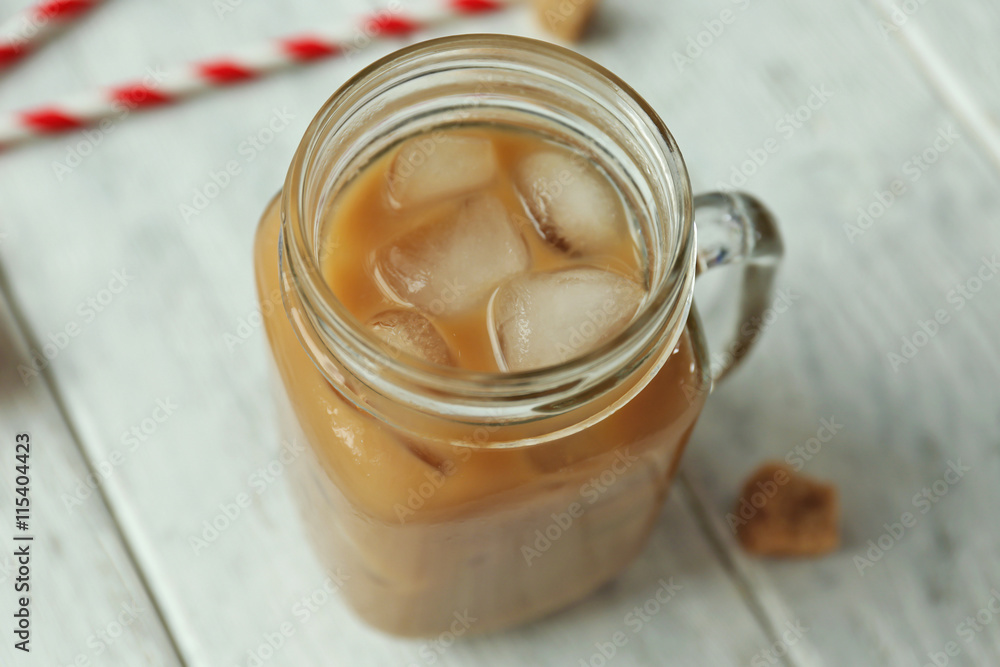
659,320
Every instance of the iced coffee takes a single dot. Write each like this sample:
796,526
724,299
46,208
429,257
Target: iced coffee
495,250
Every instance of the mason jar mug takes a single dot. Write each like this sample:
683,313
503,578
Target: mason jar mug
439,492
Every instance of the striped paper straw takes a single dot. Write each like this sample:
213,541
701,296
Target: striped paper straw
159,88
23,33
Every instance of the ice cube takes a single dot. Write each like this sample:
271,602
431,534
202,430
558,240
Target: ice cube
446,266
439,165
575,206
410,332
540,319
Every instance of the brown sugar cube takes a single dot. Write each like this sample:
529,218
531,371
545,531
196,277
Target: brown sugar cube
783,513
566,19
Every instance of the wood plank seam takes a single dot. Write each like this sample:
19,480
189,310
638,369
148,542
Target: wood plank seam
943,81
700,511
50,386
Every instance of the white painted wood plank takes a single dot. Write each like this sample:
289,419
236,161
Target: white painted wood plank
87,604
827,357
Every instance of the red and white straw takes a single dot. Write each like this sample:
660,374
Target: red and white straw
159,88
23,33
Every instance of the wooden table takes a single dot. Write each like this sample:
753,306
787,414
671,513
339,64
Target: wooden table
150,394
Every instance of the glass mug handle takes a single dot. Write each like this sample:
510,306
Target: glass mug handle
734,228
